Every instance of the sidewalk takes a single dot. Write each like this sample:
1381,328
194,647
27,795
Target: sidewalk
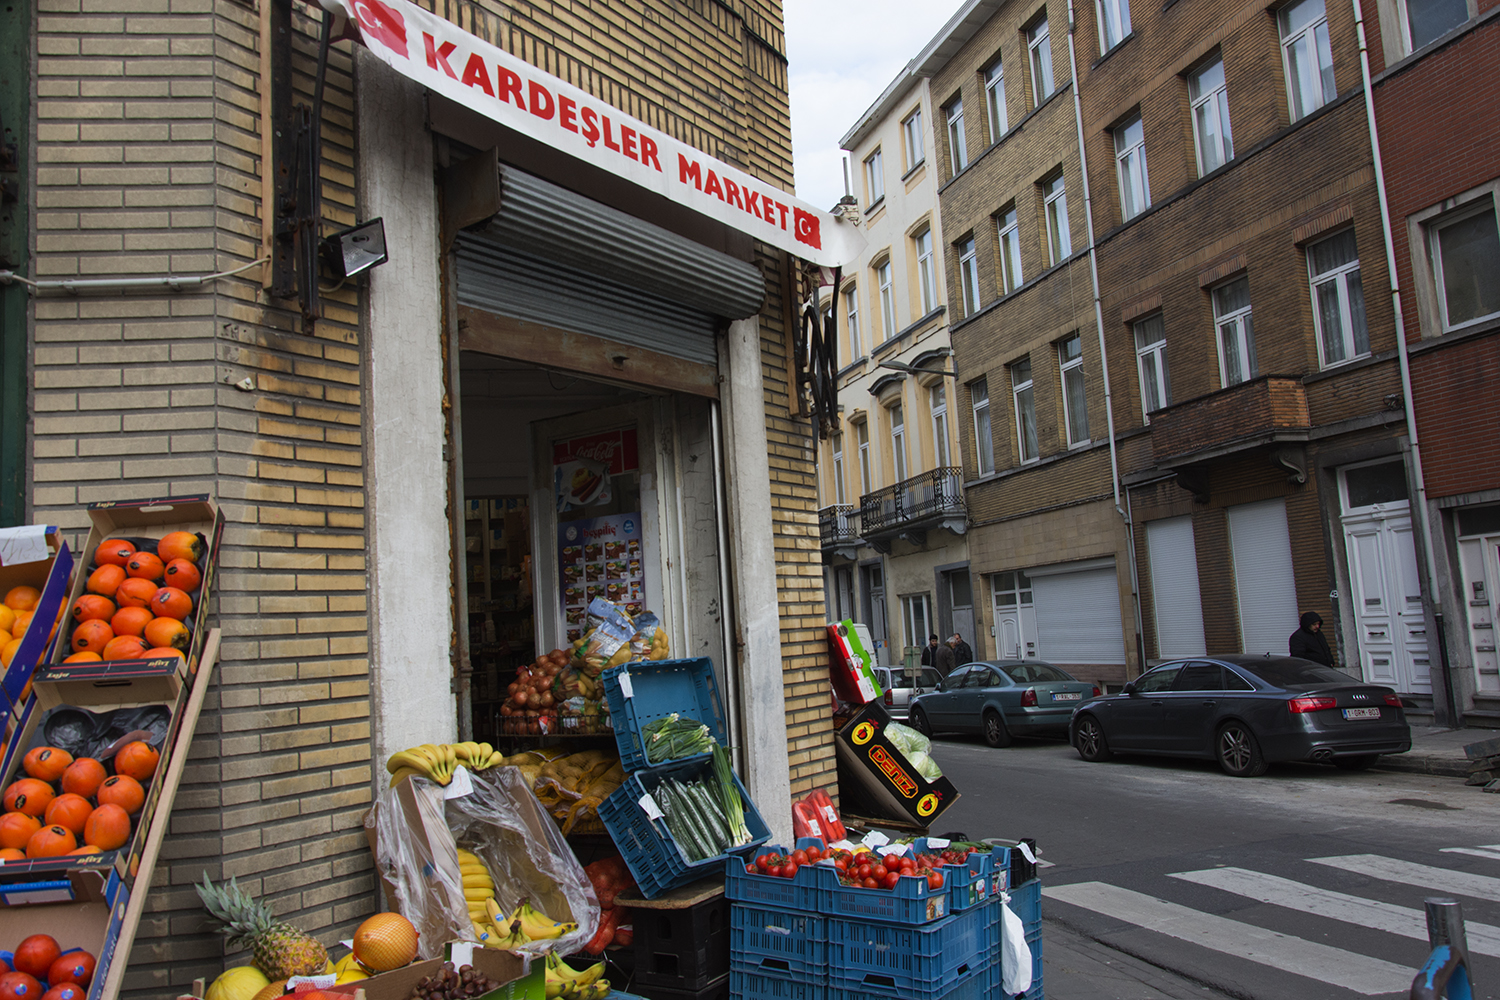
1077,968
1437,751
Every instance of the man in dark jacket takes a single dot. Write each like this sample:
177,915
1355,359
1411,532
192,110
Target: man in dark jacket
942,658
1308,641
928,650
962,651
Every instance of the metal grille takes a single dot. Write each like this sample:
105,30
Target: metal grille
931,493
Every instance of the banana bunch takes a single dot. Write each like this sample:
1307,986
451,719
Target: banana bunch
566,983
439,762
477,756
479,888
525,925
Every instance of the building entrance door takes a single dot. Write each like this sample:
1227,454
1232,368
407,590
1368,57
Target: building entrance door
872,583
1014,615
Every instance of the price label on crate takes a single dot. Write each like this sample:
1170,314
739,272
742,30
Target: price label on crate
623,679
649,807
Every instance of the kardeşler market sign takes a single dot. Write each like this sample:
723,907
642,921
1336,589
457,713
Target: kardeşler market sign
467,69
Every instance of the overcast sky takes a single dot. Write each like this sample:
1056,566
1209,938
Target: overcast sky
843,53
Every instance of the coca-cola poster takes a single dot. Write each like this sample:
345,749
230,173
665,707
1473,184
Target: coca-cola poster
582,467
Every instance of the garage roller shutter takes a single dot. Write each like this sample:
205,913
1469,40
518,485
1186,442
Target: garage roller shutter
1078,614
1263,578
1174,587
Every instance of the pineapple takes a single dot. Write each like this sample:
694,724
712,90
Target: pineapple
280,950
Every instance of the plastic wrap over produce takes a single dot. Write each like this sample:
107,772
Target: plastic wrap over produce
916,748
500,821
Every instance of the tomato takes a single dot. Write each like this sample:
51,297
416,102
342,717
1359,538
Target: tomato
934,880
752,869
892,879
862,871
763,862
813,854
870,883
841,864
789,870
878,873
907,864
799,856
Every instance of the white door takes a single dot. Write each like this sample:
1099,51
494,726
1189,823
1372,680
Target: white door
1263,580
1173,553
1078,613
1480,560
1014,616
1387,595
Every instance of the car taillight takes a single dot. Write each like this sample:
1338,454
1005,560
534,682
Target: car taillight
1300,705
1028,698
1096,693
1393,700
889,698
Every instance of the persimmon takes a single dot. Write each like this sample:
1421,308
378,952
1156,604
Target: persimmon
46,763
16,828
180,545
163,653
72,967
69,810
124,791
108,827
167,632
11,854
19,986
28,795
35,955
114,552
135,593
92,636
124,647
131,621
84,657
183,575
22,598
65,991
83,777
105,580
137,759
51,842
169,602
93,607
146,566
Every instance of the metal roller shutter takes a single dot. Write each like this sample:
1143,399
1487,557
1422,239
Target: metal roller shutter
1263,578
1078,613
1174,587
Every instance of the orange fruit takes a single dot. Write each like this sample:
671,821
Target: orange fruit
108,827
113,552
69,810
124,647
137,759
124,791
8,652
92,607
22,598
83,777
11,854
16,828
28,795
183,575
180,545
167,632
130,621
92,636
7,619
5,637
46,763
23,621
135,593
169,602
106,580
146,566
51,842
84,657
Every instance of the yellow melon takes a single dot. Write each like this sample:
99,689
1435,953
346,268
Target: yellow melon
240,983
384,942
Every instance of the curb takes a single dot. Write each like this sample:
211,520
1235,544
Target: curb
1453,767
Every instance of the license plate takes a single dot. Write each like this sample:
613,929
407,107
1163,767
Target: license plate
1361,713
1067,696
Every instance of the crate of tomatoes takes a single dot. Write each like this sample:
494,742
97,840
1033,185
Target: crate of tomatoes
970,868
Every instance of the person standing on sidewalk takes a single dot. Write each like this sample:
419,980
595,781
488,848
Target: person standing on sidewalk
962,651
929,649
1309,642
942,657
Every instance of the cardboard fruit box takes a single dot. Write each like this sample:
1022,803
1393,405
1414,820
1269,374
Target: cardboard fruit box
32,556
884,774
143,523
80,910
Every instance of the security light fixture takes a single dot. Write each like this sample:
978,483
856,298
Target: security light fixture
897,366
357,249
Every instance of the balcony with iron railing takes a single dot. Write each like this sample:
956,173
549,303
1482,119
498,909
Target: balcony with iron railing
838,526
912,507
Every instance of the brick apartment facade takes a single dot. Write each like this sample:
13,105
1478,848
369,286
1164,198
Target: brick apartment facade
140,148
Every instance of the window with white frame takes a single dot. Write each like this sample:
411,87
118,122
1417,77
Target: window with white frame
1151,358
1039,46
937,400
887,302
1059,241
1210,98
851,310
984,439
1009,228
916,618
958,147
862,435
1025,404
1424,21
874,178
968,275
926,276
1338,299
838,468
1465,249
994,99
1075,402
1236,337
1307,55
1130,158
898,442
911,133
1114,22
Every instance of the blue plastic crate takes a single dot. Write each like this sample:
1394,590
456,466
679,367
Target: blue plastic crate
781,942
968,884
745,985
639,693
647,845
977,984
1026,903
919,962
800,892
912,902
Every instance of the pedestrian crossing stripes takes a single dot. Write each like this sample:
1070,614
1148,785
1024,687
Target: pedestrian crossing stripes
1410,873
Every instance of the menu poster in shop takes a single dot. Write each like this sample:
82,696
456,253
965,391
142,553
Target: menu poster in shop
582,467
600,557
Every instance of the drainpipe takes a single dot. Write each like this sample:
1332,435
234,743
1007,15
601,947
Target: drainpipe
1109,406
1429,539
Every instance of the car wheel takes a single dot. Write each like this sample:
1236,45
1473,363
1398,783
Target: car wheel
1089,736
918,721
1363,762
1239,752
995,733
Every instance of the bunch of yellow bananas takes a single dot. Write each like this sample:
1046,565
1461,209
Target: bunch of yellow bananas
439,762
566,983
479,888
525,925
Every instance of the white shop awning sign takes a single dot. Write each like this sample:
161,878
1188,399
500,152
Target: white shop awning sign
465,68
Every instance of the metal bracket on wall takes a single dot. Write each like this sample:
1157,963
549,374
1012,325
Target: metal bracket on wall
296,153
817,358
1294,460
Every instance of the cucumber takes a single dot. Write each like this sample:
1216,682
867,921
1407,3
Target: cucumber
691,825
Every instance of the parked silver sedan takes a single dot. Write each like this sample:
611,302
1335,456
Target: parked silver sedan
999,699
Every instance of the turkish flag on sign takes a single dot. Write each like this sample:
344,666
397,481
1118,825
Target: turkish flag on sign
383,23
807,228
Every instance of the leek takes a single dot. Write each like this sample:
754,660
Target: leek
729,797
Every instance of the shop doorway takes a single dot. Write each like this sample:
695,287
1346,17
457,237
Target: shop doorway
872,585
1479,559
1014,615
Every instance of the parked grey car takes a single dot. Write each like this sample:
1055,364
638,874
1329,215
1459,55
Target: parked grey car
900,689
1001,698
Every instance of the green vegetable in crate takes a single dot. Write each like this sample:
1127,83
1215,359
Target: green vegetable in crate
672,737
729,799
704,815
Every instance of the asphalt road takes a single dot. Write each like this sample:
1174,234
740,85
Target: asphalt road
1307,882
